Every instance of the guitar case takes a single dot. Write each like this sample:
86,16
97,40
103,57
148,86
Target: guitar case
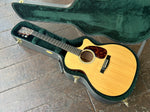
75,14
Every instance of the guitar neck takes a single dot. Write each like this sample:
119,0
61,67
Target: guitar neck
57,43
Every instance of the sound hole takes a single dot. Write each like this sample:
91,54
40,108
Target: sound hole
98,51
86,56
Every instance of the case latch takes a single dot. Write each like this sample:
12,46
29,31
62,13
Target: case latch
19,41
76,78
125,101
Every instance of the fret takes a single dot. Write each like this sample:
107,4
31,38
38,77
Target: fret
57,43
48,39
63,45
45,39
51,40
75,51
66,46
42,37
71,49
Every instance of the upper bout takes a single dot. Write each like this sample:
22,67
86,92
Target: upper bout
86,42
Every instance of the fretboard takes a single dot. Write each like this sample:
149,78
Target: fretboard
57,43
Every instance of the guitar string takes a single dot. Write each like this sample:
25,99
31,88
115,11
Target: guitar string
57,43
60,44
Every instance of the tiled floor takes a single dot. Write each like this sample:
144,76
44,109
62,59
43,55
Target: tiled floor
32,82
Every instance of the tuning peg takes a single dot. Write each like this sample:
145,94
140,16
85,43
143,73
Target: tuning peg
26,36
76,78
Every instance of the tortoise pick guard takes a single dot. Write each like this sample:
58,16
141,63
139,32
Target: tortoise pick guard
98,51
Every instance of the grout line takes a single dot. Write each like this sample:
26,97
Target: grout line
13,64
5,16
19,61
3,4
6,30
37,78
8,46
91,100
145,84
17,86
79,32
67,27
11,15
35,107
140,50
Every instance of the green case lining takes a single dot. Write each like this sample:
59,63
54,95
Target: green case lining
125,21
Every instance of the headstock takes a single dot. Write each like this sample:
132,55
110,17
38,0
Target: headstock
25,32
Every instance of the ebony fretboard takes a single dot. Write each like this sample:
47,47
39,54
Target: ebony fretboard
57,43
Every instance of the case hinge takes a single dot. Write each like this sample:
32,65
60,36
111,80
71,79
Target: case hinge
125,101
76,78
21,1
19,41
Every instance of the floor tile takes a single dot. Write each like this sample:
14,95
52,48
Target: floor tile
14,54
26,71
6,40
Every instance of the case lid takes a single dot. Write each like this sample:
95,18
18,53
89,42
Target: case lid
125,21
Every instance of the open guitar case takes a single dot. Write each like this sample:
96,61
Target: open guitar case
124,21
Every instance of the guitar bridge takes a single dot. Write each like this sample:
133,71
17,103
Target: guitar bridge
105,64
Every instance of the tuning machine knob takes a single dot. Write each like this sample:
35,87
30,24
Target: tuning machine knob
26,36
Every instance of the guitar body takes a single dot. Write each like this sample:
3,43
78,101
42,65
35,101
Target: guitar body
119,73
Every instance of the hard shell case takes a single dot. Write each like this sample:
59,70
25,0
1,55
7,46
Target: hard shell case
57,53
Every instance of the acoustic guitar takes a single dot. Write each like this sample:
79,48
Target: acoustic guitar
110,68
